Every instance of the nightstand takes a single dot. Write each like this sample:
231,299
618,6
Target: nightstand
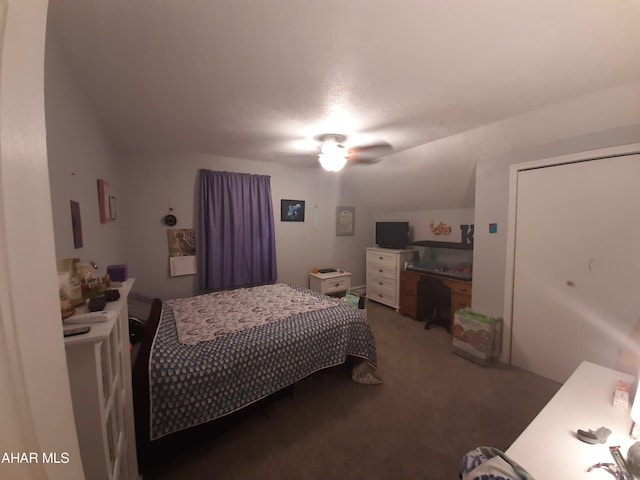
330,283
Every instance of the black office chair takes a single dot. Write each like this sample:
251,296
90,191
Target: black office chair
434,302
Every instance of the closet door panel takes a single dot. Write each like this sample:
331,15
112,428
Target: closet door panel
577,264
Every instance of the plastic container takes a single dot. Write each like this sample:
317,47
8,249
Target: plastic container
477,337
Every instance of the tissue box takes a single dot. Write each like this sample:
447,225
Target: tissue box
117,273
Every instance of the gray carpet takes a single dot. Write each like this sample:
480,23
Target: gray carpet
433,407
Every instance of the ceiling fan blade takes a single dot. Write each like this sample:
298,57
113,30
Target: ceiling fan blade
369,153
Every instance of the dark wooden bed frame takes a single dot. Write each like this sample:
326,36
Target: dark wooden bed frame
154,453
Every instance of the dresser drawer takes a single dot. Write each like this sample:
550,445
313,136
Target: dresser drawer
407,276
382,296
463,288
336,285
382,284
381,271
409,289
459,302
378,258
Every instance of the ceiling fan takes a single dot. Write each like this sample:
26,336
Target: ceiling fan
334,154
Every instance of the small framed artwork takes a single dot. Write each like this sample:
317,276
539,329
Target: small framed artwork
345,221
292,210
103,201
76,224
112,207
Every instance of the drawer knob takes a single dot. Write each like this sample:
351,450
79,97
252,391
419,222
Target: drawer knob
380,270
380,283
381,258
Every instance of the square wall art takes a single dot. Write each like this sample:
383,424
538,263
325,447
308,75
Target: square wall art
292,210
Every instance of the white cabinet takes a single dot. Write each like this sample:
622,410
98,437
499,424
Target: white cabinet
99,366
383,274
330,283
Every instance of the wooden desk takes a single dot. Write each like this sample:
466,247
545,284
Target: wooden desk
549,448
460,292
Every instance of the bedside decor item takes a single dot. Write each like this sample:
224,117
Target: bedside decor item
118,273
66,309
112,294
69,281
292,210
345,221
92,287
97,304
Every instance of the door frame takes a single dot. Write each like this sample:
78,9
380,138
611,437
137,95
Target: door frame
515,169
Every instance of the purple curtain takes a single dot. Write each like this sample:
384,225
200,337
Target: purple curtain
237,245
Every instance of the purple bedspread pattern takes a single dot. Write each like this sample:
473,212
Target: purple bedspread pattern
193,384
206,317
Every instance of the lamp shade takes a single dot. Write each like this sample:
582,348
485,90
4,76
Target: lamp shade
332,163
334,156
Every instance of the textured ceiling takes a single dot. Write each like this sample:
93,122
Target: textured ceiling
259,79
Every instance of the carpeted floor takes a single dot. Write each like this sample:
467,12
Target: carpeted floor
433,407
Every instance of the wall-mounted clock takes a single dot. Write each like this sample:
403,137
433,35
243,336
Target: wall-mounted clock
170,220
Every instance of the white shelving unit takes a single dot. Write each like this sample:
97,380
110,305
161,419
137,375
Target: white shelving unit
99,366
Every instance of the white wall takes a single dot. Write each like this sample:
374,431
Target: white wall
606,118
155,183
30,327
420,220
79,155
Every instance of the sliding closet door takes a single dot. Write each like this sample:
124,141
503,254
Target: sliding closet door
577,264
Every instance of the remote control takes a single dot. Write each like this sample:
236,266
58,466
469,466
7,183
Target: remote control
76,331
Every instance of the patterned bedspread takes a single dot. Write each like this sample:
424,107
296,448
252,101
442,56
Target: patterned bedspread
206,317
193,384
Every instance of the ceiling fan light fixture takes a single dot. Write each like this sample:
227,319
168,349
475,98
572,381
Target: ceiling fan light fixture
332,163
334,156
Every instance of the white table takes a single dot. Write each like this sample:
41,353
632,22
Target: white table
548,447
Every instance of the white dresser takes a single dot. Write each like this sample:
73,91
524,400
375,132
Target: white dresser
99,365
383,274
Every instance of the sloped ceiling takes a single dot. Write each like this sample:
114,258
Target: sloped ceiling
259,79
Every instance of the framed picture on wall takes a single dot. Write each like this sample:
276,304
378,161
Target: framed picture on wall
292,210
103,201
76,224
345,221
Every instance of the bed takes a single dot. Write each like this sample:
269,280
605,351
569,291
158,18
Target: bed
207,360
